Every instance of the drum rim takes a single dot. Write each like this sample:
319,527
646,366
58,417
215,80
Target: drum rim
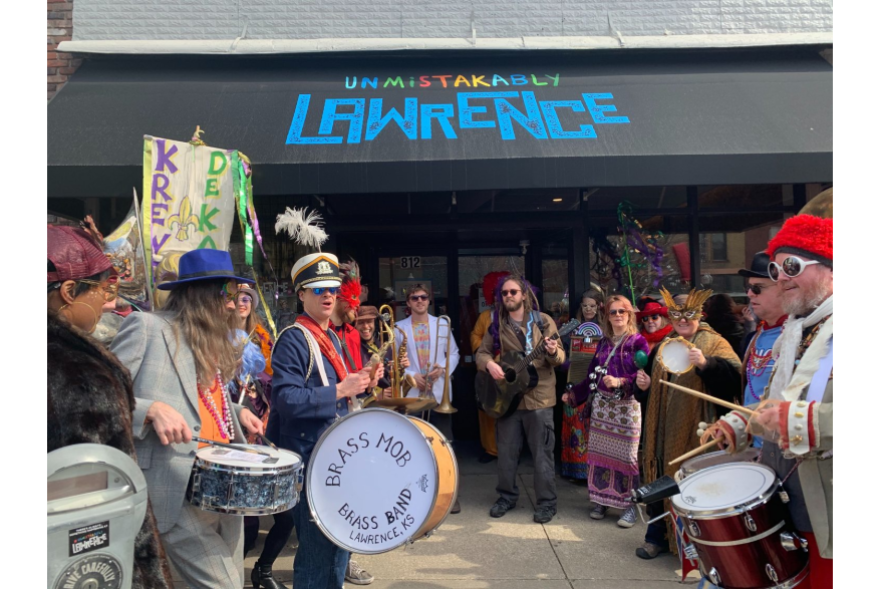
308,481
723,513
246,470
255,466
717,453
455,467
660,355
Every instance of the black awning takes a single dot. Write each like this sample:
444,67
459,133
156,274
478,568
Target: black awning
416,122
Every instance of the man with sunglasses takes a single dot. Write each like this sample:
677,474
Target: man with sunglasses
310,391
522,327
766,303
421,332
796,414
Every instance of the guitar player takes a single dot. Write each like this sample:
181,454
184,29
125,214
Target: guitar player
522,327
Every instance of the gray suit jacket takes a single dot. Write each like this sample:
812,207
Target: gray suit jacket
162,371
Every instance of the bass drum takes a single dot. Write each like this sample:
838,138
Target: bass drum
377,480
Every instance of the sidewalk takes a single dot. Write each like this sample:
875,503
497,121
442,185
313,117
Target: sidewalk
474,551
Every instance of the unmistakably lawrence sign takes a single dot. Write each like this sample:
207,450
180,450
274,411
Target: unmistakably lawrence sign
513,112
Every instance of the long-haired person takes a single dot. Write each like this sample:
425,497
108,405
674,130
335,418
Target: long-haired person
180,360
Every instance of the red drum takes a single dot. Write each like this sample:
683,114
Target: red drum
738,523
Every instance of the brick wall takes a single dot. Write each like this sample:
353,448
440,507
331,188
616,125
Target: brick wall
321,19
59,27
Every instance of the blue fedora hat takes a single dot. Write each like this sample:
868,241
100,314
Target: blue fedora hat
204,264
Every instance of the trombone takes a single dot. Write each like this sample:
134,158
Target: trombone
445,406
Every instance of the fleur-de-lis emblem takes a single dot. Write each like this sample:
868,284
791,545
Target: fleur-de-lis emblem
324,268
184,219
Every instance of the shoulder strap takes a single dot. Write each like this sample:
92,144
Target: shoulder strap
306,334
536,317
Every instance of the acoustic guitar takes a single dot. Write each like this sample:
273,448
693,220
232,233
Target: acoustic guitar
500,398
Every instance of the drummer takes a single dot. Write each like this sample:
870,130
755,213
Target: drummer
673,416
795,419
310,390
180,361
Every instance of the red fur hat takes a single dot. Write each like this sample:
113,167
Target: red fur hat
490,281
805,235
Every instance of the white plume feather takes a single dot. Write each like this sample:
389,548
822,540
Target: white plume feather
303,227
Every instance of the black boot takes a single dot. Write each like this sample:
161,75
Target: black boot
261,576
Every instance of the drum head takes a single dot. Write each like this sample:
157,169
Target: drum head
372,481
698,463
720,489
240,458
673,355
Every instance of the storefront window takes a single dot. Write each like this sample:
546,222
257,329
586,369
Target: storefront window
757,196
643,197
555,296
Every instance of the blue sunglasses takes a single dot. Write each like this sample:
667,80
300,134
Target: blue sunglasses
334,290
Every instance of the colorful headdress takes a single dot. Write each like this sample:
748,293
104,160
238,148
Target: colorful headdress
694,302
318,270
350,292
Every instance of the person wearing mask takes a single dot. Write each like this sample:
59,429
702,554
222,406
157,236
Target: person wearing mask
90,398
673,416
180,360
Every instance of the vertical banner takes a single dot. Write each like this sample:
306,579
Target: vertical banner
189,196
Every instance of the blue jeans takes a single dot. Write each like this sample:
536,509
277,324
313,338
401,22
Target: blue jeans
319,563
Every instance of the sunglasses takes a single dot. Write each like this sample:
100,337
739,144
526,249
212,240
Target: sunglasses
758,288
512,292
613,312
687,314
245,300
792,266
333,290
109,287
647,318
419,298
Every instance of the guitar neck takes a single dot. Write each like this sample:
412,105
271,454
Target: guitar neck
527,359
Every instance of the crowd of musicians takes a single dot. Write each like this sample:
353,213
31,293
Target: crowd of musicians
203,366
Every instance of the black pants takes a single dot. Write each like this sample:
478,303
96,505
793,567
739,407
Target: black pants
276,539
537,429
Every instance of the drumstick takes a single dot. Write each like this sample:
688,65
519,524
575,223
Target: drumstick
694,452
709,398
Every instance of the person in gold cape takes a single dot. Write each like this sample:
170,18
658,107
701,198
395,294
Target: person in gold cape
672,416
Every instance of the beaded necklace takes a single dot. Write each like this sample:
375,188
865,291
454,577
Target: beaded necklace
224,424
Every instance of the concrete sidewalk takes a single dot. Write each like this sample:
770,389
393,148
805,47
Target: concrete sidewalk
474,551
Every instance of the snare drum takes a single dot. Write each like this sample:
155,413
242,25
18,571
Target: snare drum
698,463
737,522
378,479
238,482
673,355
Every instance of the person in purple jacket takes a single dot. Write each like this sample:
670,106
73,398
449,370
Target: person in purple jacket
616,416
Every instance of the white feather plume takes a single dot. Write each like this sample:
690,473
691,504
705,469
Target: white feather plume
303,227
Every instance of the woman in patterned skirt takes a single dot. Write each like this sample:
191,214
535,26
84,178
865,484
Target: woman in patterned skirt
616,417
575,420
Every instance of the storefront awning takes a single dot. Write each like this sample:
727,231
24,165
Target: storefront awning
407,123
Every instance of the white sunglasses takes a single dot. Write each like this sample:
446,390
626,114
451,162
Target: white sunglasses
792,266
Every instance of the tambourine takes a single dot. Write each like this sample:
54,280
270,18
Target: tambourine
673,355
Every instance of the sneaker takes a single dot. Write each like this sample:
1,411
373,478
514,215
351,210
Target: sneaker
356,575
544,514
486,458
598,512
628,519
648,551
501,507
456,508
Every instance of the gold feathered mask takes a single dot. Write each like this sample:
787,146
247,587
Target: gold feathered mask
692,307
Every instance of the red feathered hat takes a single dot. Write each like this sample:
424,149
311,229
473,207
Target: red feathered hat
490,281
805,235
350,291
